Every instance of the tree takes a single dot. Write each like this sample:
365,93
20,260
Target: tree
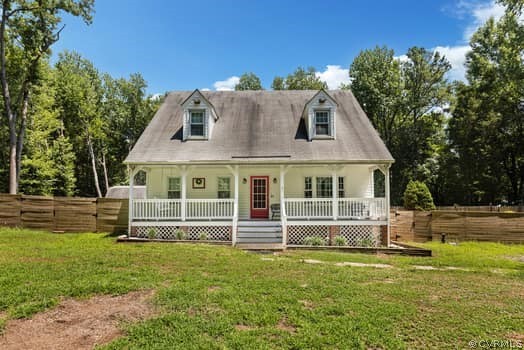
249,81
487,128
300,79
28,28
418,197
405,101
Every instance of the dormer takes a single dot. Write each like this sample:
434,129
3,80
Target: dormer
320,117
199,117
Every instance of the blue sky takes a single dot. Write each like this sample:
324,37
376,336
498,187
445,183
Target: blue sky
183,45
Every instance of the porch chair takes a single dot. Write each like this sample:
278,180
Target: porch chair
275,210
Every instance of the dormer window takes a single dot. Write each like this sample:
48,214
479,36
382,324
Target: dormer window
199,117
322,122
197,121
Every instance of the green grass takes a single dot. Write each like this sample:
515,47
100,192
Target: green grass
219,297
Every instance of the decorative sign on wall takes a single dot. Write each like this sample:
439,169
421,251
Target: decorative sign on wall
199,183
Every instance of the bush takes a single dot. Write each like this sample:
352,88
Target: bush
366,242
203,236
314,241
151,234
180,235
340,241
418,197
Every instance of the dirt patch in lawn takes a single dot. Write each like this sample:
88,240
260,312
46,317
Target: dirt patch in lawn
77,324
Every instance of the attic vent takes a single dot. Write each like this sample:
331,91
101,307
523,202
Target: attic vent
321,100
197,101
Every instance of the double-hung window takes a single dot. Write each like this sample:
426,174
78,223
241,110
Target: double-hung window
197,120
308,187
224,187
322,123
173,188
324,187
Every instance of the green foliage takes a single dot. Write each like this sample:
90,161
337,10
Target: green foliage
180,235
152,234
249,81
340,241
300,79
418,197
314,241
366,242
203,236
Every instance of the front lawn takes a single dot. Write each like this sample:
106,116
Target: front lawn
219,297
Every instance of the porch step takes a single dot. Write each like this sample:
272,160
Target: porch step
260,246
259,232
258,223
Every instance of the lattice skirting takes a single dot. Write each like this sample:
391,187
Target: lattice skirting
297,233
208,233
361,235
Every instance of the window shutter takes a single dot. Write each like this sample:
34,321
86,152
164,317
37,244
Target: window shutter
206,124
185,127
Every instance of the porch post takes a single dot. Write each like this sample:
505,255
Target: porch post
235,208
334,190
283,217
386,173
130,209
183,195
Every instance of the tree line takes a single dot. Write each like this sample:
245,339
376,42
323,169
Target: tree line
67,126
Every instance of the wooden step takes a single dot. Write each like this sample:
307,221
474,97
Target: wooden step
260,246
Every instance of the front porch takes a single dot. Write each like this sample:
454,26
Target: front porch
292,199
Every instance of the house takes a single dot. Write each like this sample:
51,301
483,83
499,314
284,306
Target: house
261,167
122,192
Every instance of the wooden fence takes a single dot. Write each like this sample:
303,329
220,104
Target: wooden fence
416,226
64,214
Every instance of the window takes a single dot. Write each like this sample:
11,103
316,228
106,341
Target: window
308,187
341,192
324,187
197,120
173,189
224,187
322,123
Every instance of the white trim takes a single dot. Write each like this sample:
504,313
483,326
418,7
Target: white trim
292,222
183,223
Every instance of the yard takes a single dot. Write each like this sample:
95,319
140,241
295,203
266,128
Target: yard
219,297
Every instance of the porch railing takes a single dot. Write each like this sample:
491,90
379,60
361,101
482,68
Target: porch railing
347,208
171,209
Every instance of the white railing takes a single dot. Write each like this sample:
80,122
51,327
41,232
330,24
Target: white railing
210,208
348,208
171,209
304,208
362,208
157,209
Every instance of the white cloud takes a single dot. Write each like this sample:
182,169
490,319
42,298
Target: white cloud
456,55
334,76
479,13
205,89
226,85
402,58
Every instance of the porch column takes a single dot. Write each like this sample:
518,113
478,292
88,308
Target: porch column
283,217
183,194
235,207
130,209
334,190
386,174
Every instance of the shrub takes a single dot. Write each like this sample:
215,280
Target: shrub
203,236
314,241
418,197
180,235
151,234
340,241
366,242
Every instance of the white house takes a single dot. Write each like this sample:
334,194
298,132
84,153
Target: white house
261,167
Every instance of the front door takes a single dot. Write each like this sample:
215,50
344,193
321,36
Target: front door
259,197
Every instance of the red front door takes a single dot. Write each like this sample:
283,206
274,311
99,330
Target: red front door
259,197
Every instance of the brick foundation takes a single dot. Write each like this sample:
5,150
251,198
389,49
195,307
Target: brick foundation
333,232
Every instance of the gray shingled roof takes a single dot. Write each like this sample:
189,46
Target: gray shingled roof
259,126
122,192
